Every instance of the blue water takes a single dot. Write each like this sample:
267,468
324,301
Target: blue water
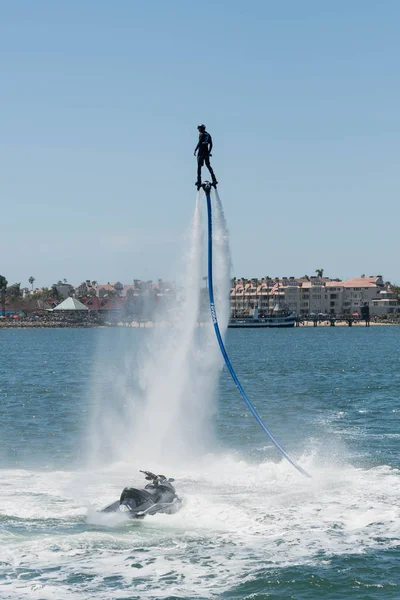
251,526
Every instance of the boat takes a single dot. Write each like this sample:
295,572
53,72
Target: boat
159,496
280,317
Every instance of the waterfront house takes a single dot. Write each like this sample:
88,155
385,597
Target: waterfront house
312,296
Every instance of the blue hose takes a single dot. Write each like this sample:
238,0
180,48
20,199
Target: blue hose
222,346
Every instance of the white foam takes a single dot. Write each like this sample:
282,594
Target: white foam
235,516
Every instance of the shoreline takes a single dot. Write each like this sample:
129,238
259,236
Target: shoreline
345,324
6,324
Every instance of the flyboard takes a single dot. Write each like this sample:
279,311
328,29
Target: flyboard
207,190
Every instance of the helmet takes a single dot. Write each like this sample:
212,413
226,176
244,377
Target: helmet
201,127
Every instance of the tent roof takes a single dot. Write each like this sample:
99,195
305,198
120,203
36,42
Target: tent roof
71,304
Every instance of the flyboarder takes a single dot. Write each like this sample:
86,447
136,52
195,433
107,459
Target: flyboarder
204,148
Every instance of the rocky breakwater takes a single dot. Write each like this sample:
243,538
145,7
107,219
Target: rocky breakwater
50,321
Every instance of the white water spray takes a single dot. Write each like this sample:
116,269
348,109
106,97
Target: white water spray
222,264
155,399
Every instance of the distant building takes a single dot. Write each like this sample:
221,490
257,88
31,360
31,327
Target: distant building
313,296
142,300
71,305
118,287
386,304
83,288
65,289
104,289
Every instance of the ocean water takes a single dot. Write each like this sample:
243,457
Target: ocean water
251,527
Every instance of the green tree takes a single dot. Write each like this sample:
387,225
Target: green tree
396,290
54,293
31,281
14,290
3,291
319,272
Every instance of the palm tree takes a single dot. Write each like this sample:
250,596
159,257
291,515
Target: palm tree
306,277
319,272
3,289
94,283
31,281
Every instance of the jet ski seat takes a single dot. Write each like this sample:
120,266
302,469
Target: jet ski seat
134,494
156,491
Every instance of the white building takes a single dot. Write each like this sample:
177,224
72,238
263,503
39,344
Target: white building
314,296
386,304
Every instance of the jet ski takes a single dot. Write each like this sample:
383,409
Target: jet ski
159,496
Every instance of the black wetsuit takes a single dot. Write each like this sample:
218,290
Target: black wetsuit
204,148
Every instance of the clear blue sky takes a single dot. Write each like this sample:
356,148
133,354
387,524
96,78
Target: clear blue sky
99,107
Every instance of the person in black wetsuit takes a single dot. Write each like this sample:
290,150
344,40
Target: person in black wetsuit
204,148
